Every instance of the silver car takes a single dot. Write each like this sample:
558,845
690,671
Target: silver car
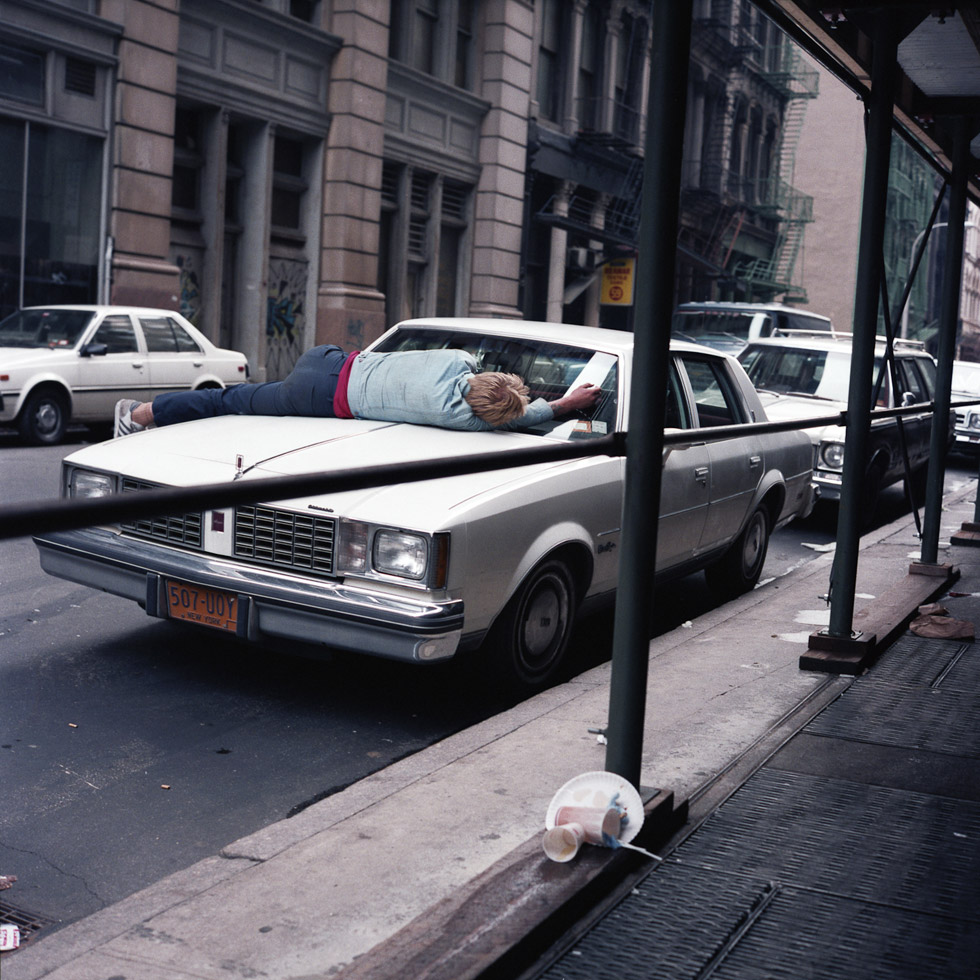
502,560
65,363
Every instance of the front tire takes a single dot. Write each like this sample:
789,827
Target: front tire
530,637
738,570
43,418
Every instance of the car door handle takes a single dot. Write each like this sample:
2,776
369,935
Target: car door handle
755,462
138,365
701,475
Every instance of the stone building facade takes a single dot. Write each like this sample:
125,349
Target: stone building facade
290,172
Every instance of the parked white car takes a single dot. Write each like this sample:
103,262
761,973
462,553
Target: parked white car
73,363
966,386
806,375
422,571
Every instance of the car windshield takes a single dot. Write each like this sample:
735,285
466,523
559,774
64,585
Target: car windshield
44,328
701,327
549,370
966,377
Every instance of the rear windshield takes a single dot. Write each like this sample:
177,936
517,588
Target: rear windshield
44,328
706,327
549,369
817,373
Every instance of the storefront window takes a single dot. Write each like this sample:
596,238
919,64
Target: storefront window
61,254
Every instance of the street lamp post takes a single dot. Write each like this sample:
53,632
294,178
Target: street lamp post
912,253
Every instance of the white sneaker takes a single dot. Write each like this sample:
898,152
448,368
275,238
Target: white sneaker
124,423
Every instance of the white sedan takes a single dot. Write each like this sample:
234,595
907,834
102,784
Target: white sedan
501,560
63,363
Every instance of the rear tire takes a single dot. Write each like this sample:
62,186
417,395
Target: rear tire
738,570
44,418
529,639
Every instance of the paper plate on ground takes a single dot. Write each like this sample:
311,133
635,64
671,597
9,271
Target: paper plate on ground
599,789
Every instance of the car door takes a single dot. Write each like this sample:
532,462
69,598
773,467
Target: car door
684,483
735,465
175,357
104,378
918,425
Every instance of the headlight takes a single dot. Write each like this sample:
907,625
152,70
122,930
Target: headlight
399,553
973,420
86,483
378,552
832,455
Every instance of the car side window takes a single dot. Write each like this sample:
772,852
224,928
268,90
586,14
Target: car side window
165,335
714,397
117,333
910,381
926,369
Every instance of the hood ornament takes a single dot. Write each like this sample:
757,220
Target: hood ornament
239,465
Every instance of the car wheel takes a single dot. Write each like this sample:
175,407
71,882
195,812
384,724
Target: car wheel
738,570
531,635
43,418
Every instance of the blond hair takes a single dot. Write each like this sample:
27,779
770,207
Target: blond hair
497,398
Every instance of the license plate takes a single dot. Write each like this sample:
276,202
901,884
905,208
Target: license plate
207,607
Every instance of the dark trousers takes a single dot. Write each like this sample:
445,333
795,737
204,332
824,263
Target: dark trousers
308,390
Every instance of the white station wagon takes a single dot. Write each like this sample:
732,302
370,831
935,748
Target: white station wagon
500,560
63,363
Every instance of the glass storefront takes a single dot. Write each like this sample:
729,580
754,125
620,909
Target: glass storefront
50,199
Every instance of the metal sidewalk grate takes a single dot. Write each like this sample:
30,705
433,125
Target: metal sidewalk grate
934,719
873,843
913,660
676,922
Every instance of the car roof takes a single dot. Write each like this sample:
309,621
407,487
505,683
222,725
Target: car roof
566,333
100,308
809,340
748,308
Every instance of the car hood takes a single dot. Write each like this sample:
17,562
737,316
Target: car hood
15,357
216,450
786,408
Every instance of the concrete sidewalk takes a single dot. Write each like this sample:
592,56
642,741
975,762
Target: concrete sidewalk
432,866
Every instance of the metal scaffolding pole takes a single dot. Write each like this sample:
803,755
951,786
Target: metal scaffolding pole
667,106
867,295
948,322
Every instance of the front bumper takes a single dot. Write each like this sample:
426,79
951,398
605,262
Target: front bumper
828,484
270,603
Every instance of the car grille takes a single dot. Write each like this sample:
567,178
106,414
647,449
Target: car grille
184,529
960,417
285,539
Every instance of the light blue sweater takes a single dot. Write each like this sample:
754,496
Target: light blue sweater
427,387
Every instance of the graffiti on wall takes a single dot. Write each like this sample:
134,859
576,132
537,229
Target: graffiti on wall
285,317
190,286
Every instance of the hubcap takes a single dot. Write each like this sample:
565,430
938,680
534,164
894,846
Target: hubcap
46,417
753,544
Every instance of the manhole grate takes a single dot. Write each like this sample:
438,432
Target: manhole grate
29,923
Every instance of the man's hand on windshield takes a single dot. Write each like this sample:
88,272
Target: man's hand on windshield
579,399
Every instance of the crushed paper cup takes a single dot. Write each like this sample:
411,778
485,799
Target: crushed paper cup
603,790
597,822
562,843
9,938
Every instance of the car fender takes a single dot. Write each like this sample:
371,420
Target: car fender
772,493
565,535
44,378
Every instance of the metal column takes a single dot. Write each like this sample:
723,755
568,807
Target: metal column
948,322
667,105
867,293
